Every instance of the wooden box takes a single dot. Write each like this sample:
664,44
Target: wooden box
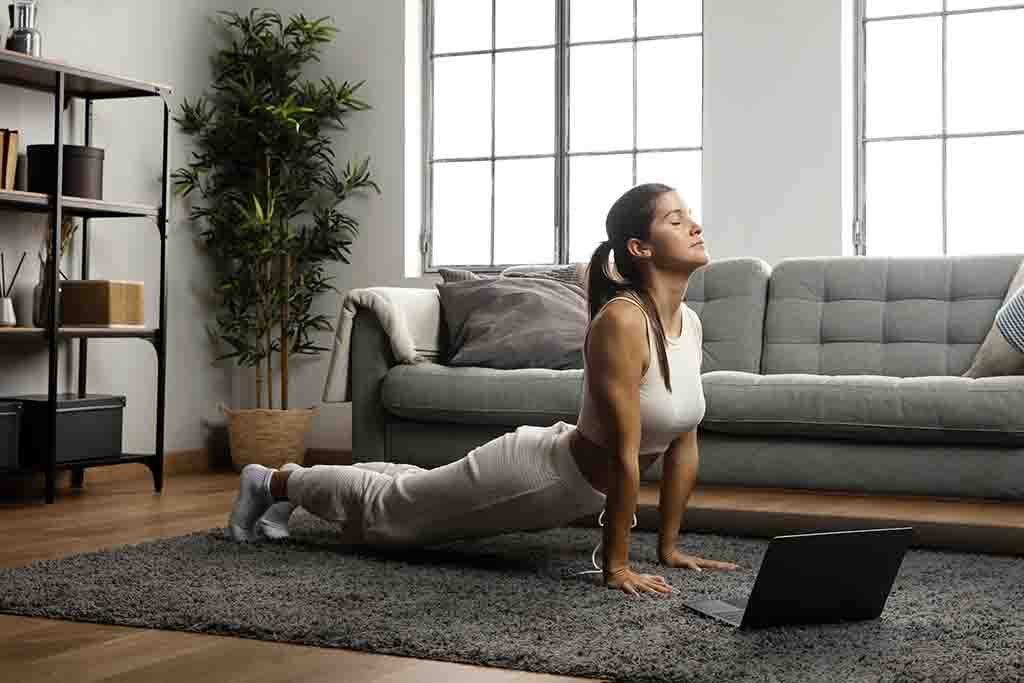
101,303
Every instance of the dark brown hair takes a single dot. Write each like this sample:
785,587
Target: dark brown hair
630,217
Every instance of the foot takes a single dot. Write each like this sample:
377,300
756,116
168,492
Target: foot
252,501
274,522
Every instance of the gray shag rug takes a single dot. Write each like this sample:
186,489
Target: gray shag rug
514,601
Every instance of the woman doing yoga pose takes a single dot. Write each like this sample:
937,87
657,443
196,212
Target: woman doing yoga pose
642,399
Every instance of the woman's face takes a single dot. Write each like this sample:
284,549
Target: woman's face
678,240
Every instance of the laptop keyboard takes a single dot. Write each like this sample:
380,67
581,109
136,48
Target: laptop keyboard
729,614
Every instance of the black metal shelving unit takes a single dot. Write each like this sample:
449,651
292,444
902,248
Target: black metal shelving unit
66,82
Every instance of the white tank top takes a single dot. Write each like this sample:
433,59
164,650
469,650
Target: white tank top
664,416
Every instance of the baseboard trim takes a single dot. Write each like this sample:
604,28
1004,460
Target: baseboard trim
186,461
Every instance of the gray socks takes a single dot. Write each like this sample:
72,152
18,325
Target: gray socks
252,501
273,524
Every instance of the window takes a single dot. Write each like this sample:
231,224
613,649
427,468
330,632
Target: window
542,112
941,127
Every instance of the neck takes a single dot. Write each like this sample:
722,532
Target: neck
668,290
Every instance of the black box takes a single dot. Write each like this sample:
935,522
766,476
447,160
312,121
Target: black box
10,424
88,428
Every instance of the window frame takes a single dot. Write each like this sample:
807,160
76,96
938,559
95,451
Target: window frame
861,141
561,154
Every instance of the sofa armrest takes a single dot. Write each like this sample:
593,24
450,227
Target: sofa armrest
410,319
378,328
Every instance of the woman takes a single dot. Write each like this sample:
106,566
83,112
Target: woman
642,398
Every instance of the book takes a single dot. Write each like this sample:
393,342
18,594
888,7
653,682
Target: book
8,159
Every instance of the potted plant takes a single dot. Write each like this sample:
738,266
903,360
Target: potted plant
270,216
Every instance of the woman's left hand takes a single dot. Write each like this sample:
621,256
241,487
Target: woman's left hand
682,561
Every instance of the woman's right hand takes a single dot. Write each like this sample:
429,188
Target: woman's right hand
633,583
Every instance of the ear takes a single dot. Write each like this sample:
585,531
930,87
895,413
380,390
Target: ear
638,248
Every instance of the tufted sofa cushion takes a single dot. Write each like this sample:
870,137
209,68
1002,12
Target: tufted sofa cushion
849,315
728,295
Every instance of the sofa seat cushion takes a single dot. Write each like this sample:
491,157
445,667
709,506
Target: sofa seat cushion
431,392
937,409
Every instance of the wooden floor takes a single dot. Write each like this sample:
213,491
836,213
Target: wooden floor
108,513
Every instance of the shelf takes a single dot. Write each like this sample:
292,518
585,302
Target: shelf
36,73
75,206
124,459
79,333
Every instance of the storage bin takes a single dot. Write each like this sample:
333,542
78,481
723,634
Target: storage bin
88,428
83,170
10,424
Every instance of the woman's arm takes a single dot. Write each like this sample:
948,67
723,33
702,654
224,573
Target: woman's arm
616,352
678,476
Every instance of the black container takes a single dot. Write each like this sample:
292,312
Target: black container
10,425
88,428
83,170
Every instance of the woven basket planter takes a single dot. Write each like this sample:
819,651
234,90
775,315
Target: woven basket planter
268,437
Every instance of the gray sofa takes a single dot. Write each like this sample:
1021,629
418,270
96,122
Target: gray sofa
831,373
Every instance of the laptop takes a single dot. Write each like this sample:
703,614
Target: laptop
817,578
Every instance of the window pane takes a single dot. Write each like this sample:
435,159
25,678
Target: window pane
680,170
462,106
888,8
601,98
461,25
985,178
662,17
986,58
600,20
461,220
521,23
525,102
973,4
904,198
669,92
903,80
524,211
594,185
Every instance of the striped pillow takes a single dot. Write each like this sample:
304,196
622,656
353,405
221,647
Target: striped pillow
458,275
1002,350
1010,320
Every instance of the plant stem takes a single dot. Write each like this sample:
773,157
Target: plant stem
270,372
271,287
259,385
285,340
270,346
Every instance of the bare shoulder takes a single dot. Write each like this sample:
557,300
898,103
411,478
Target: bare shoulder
618,339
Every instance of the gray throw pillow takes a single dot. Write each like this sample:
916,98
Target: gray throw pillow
514,322
999,353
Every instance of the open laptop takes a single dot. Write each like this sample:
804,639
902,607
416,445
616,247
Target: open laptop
817,578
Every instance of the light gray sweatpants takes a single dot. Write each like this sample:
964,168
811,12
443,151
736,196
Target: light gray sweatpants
524,480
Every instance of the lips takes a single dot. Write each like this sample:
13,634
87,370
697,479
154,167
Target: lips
698,244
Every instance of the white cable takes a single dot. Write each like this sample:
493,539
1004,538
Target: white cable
593,555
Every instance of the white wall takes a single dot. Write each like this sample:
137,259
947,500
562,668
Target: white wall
152,40
773,128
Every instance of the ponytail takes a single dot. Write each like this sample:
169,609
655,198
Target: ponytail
601,288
